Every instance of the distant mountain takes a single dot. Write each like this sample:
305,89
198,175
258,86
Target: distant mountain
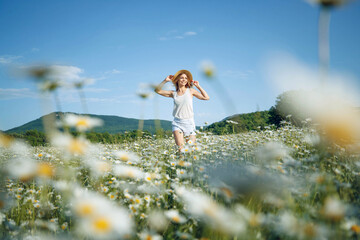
112,124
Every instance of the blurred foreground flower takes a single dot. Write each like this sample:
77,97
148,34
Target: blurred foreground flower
99,217
246,180
126,156
329,3
157,220
145,90
150,236
271,152
26,169
82,123
175,217
208,69
218,217
71,145
128,172
5,140
291,226
333,209
337,120
50,77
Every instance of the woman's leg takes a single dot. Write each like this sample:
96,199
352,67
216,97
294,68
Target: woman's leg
179,138
193,138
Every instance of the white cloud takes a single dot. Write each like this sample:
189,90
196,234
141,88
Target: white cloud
190,33
110,100
238,74
67,72
107,74
5,59
114,71
204,114
96,90
67,75
16,93
174,34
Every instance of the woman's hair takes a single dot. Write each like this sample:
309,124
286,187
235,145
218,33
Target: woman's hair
176,80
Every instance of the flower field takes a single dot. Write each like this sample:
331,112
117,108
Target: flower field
286,183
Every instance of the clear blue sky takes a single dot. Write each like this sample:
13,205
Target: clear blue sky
122,44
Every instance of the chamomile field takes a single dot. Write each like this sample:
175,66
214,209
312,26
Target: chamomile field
285,183
294,177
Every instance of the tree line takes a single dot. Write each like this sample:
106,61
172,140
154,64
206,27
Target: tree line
285,108
38,138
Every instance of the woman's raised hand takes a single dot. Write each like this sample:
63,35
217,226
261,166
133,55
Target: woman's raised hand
196,84
168,78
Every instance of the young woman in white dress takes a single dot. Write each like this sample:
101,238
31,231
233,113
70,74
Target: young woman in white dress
183,124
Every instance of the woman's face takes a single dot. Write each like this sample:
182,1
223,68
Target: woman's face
183,80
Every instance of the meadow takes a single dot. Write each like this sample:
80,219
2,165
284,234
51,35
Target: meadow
287,182
284,183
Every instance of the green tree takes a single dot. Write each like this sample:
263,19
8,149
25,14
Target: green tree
286,105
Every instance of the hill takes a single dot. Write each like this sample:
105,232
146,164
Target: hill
112,124
241,123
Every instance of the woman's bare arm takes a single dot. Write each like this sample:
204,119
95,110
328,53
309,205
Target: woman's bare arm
202,95
164,93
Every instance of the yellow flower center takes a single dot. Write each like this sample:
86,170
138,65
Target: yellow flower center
355,228
25,178
280,169
176,219
309,230
320,179
45,170
82,123
85,210
124,158
254,221
5,140
104,167
209,72
131,174
102,225
77,146
210,210
228,193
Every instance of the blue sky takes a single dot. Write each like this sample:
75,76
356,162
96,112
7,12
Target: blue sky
122,45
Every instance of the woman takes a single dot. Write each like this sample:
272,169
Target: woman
183,124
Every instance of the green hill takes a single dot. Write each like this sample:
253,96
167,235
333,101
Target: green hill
111,124
241,123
